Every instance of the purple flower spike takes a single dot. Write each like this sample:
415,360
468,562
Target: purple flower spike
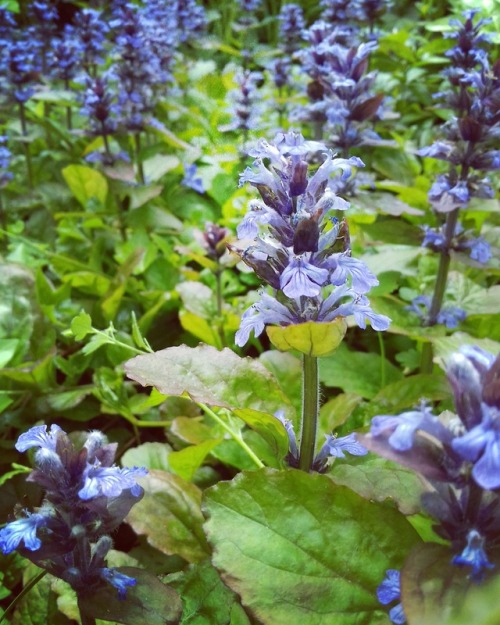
39,437
110,481
22,530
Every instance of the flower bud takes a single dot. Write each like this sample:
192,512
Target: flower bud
466,383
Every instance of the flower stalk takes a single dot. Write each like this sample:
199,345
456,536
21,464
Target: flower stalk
310,411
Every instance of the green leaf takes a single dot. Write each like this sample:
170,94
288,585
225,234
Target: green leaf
217,378
157,166
139,340
86,184
269,427
170,516
200,328
81,325
356,372
336,411
287,369
8,348
150,455
149,602
299,549
207,600
409,391
311,338
377,479
187,461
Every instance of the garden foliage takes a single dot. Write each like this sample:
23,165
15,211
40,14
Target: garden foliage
249,312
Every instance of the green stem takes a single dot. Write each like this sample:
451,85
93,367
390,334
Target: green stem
310,410
383,376
85,618
27,153
140,167
426,362
33,582
444,266
234,435
220,321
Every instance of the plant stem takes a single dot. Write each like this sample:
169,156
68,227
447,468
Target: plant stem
218,287
85,618
444,265
439,288
33,582
383,374
234,435
27,153
310,410
140,167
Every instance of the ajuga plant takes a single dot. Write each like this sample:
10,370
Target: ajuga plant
459,456
295,246
86,498
469,149
244,107
291,25
343,102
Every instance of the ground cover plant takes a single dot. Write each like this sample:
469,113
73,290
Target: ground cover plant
249,313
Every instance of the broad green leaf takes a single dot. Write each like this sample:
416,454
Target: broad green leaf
68,399
336,411
187,461
149,602
86,184
377,479
218,378
170,516
409,391
357,372
310,338
287,369
152,455
157,166
269,427
207,600
299,549
200,328
197,298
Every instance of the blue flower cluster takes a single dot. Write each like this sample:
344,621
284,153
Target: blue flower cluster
297,247
389,591
86,498
292,24
341,91
244,107
471,135
333,447
459,456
